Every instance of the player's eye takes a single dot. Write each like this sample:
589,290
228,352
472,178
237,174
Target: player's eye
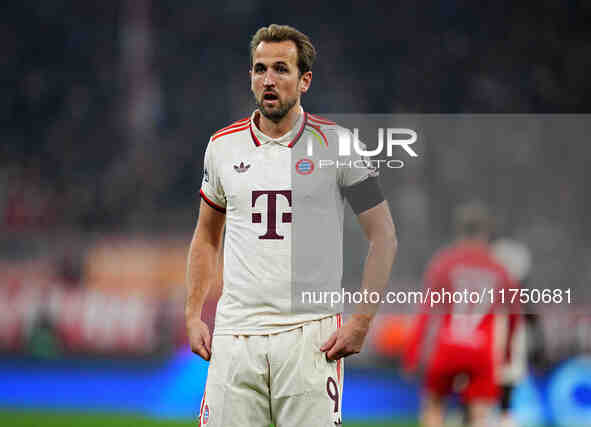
259,68
281,69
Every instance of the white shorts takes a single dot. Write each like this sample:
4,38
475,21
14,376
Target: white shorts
281,378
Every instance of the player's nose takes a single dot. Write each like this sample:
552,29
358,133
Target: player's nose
268,80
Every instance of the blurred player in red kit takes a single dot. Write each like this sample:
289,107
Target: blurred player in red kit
458,344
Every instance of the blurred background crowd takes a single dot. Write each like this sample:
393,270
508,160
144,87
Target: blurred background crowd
107,108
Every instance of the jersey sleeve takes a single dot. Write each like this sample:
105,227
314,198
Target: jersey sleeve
355,168
212,190
436,279
358,180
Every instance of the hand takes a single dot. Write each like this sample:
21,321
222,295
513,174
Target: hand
199,338
348,339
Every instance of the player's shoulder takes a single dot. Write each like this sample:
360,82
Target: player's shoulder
444,258
476,255
328,129
445,253
234,129
320,123
316,120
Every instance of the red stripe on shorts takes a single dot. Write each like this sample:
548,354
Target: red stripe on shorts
201,410
339,361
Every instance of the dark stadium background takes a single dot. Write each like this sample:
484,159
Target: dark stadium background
106,111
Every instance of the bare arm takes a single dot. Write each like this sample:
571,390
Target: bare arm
379,229
204,269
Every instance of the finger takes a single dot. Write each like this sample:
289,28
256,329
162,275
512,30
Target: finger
331,341
333,355
203,352
331,358
207,340
336,352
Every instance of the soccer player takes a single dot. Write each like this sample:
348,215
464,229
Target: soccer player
459,346
516,258
273,359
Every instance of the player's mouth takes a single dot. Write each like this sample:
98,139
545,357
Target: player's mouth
270,98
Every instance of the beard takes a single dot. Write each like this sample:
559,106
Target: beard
277,114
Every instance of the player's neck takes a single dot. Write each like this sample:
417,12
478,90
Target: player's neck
277,130
475,240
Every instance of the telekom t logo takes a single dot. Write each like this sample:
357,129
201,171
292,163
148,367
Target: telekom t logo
271,233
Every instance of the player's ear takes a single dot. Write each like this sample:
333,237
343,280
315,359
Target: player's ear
305,81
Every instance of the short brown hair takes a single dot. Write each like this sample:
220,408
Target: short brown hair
280,33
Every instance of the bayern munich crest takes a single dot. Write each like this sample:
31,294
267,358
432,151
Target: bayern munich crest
304,166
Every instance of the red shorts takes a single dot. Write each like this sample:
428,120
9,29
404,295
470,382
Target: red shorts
468,371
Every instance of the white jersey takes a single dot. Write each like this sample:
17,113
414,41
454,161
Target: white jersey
284,221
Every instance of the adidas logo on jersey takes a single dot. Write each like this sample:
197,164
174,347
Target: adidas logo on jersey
241,167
